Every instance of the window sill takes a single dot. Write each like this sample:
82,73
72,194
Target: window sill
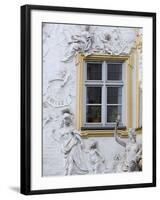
103,128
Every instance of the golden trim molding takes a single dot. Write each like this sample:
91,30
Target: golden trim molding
79,90
137,91
104,57
107,133
128,94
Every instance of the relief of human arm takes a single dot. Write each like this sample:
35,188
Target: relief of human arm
117,138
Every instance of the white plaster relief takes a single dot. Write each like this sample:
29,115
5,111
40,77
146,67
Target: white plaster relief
132,160
88,41
60,44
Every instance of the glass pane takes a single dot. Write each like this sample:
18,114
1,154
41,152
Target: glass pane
93,114
114,72
113,112
93,95
94,71
114,95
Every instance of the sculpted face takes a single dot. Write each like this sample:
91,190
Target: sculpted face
67,119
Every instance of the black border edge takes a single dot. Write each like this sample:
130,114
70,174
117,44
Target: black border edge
25,180
154,98
89,189
25,102
89,10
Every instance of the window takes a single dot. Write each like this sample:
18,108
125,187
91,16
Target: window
103,88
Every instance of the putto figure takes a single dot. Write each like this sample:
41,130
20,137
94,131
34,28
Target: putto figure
81,42
133,151
72,146
97,160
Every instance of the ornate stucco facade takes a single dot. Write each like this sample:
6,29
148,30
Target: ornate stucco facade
65,49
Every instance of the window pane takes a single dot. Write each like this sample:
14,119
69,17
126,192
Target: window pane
94,95
113,112
114,95
94,71
114,72
93,114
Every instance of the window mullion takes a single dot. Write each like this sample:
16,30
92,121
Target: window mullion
104,94
106,109
85,105
85,95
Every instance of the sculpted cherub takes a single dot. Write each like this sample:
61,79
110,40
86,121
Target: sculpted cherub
81,42
97,161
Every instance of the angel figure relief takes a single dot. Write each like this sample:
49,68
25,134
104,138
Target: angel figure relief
81,42
113,43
